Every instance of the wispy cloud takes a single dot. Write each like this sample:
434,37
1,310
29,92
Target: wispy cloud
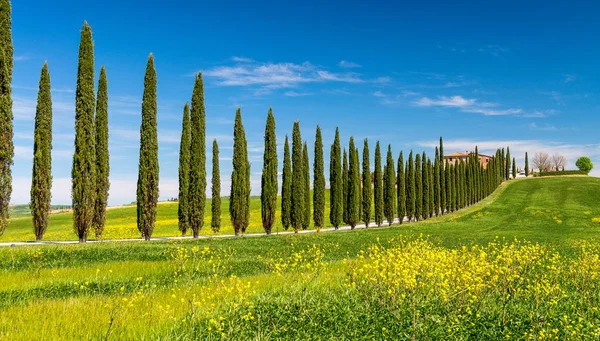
20,58
382,80
470,105
545,127
348,65
242,59
297,94
568,78
493,50
555,95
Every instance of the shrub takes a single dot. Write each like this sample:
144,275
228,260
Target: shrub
559,173
584,163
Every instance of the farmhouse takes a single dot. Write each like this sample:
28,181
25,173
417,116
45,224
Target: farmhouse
458,156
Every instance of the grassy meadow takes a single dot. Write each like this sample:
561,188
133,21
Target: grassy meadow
522,264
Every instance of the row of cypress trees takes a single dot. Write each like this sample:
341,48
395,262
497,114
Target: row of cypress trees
6,115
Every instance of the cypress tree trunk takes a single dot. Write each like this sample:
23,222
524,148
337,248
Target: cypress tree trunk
418,188
42,159
6,115
239,199
425,178
197,189
401,189
389,189
319,183
306,181
268,195
378,187
215,221
366,185
102,156
286,187
147,185
84,166
184,172
353,186
345,184
335,179
526,164
298,199
410,188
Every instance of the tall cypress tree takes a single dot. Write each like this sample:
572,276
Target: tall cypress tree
102,156
42,159
507,172
184,171
418,188
353,206
6,115
389,189
84,166
215,221
401,189
197,189
297,179
436,183
306,182
319,182
410,187
367,196
378,187
147,185
286,187
448,171
345,181
514,168
335,181
431,198
239,199
443,196
526,164
425,179
268,184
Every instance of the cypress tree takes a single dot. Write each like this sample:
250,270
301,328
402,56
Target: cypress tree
268,184
147,185
84,170
507,173
306,181
418,188
215,221
197,189
286,187
335,180
102,163
297,179
353,186
526,164
42,159
431,188
6,115
319,183
389,188
425,179
378,187
345,181
366,185
359,182
410,188
502,166
401,189
443,195
239,199
436,183
448,172
514,168
184,171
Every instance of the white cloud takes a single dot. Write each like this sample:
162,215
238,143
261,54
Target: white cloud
20,58
379,94
242,59
296,94
568,78
348,65
555,95
339,77
546,127
382,80
443,101
467,105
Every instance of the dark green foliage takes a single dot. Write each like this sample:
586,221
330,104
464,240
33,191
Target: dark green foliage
268,183
431,188
354,193
411,193
584,164
6,115
306,182
83,172
319,182
345,185
197,190
378,187
336,183
286,187
298,199
437,183
147,185
443,195
239,199
102,156
448,185
389,188
215,222
41,183
401,189
367,195
507,171
184,172
526,164
425,179
514,169
418,188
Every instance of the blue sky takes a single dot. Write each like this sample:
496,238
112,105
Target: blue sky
486,73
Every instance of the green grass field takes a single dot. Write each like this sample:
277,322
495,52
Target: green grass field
460,276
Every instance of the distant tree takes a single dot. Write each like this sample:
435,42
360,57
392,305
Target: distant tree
345,181
425,179
558,162
366,185
526,164
306,171
508,167
442,185
102,162
239,199
336,183
449,196
147,185
319,183
584,164
215,222
197,190
401,189
389,189
286,187
378,187
436,183
418,188
268,183
42,159
353,206
298,199
184,171
431,198
514,169
541,161
410,188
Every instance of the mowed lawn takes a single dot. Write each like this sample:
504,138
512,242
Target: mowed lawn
460,276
